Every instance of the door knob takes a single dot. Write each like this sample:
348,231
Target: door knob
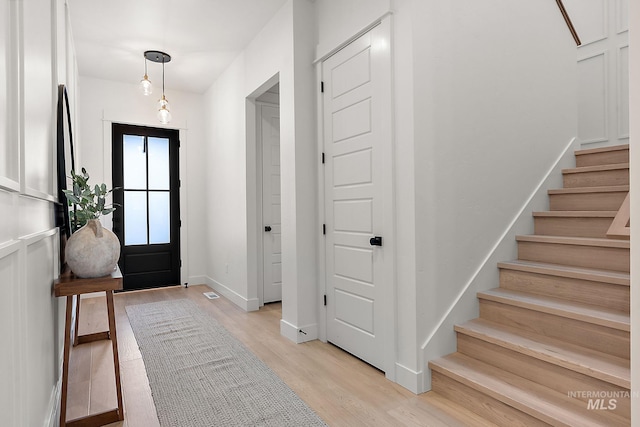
267,228
376,241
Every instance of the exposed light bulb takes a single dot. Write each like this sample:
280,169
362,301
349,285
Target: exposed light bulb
145,86
164,115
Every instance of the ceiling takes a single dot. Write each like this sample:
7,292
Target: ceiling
202,36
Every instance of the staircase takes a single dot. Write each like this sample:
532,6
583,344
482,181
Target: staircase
551,345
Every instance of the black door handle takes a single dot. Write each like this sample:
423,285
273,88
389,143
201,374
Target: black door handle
376,241
267,228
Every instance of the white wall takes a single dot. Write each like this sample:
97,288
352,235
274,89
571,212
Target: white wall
339,21
233,232
225,191
33,45
495,105
307,231
103,102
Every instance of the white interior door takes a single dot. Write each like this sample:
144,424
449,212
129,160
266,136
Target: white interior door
272,252
358,195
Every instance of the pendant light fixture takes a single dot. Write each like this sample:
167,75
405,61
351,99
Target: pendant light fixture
164,114
145,84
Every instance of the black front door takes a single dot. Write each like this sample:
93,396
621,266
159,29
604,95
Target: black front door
147,221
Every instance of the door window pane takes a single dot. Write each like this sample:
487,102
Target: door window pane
134,162
135,218
158,163
159,217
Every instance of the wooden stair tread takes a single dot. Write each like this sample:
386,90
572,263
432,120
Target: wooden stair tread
591,274
614,370
601,149
599,168
555,306
531,398
585,190
579,241
575,214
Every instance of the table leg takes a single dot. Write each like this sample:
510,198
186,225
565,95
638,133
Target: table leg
65,362
114,344
77,322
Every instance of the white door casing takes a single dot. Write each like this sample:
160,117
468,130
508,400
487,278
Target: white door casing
358,198
269,133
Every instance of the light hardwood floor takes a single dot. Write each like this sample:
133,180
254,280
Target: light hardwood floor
343,390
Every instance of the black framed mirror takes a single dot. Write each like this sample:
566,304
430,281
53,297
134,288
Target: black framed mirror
65,156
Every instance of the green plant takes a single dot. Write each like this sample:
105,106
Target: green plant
88,203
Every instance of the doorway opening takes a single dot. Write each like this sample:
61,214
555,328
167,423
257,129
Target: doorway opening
147,222
268,147
263,213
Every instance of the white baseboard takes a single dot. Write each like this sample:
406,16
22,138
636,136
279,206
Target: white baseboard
197,280
246,304
308,333
53,411
410,379
298,334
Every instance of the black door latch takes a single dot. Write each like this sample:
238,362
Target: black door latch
376,241
267,228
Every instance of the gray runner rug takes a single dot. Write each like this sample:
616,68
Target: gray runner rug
200,375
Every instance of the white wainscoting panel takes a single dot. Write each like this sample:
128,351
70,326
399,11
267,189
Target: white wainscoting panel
622,16
40,316
623,91
35,216
31,318
9,147
9,223
593,95
38,99
5,48
9,351
603,70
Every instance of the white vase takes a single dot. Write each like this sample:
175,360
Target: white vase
92,251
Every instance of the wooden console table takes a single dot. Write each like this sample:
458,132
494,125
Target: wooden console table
70,286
